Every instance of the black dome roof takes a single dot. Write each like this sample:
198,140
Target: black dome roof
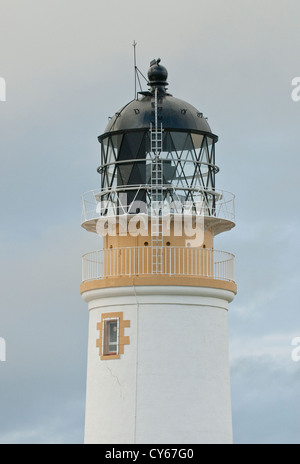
173,113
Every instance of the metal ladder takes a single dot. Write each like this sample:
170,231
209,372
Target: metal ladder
156,139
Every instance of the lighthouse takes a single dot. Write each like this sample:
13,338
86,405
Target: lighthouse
158,291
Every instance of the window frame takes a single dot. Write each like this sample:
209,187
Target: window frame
105,336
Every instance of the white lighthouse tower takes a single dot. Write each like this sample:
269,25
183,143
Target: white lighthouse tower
158,291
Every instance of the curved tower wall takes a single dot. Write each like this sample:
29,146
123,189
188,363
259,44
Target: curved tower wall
172,384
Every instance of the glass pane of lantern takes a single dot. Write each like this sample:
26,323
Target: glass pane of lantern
197,140
116,143
124,171
210,145
104,180
110,158
111,177
188,151
168,144
210,140
189,170
204,156
138,174
131,147
179,141
169,171
104,146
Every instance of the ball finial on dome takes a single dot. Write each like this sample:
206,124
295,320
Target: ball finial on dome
157,74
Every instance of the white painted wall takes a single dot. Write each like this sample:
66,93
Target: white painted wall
172,383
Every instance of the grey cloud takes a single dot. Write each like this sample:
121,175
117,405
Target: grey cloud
266,401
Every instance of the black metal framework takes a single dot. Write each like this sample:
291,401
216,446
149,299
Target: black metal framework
188,166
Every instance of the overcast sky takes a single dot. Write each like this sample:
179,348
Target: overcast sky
68,66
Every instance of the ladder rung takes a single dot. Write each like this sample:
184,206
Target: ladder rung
156,145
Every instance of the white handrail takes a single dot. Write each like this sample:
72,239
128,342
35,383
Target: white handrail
93,209
176,261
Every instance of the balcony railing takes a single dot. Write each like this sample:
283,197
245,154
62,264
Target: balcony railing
142,261
209,203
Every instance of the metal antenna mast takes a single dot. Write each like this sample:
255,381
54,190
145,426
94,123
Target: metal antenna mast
135,68
137,72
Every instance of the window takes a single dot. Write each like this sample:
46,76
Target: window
110,337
